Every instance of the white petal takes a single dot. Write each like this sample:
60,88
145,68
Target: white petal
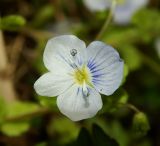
105,66
97,5
52,85
124,12
76,107
57,57
138,3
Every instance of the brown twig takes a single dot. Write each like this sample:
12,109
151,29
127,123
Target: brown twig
15,52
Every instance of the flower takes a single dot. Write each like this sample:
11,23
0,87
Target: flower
123,11
77,74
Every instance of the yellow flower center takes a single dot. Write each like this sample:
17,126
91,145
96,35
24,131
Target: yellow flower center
82,75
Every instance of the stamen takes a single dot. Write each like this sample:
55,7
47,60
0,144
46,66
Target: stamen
85,90
85,94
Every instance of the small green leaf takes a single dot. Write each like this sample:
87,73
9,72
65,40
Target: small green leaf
14,128
49,102
114,102
84,138
145,16
45,14
21,108
131,56
12,22
100,138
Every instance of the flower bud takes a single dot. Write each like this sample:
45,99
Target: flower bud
140,124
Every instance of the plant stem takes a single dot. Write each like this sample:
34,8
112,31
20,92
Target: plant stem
132,107
108,20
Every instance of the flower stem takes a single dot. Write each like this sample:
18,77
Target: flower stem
132,107
108,20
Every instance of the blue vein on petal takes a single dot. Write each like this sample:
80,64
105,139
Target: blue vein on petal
90,62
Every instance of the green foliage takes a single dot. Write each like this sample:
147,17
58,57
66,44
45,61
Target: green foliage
125,73
21,108
43,15
114,102
2,109
12,125
12,22
64,127
14,128
131,57
84,138
100,137
143,20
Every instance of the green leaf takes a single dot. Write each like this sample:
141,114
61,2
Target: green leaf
21,108
18,126
84,138
14,128
12,22
45,14
131,56
115,129
114,102
145,16
3,109
125,73
100,138
49,102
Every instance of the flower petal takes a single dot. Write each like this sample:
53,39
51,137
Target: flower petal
105,66
52,85
124,12
137,4
57,55
75,106
122,15
97,5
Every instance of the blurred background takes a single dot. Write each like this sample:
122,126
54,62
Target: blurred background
130,117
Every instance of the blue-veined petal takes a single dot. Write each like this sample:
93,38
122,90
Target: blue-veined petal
57,55
124,12
105,66
51,84
76,106
97,5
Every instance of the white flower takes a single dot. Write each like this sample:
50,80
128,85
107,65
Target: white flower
123,11
76,75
